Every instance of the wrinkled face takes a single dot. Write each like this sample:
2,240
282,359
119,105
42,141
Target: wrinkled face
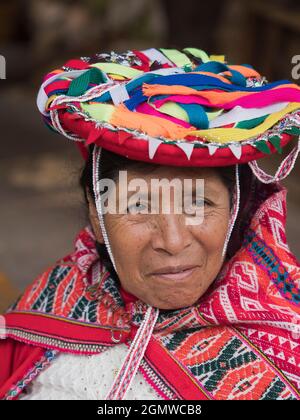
160,258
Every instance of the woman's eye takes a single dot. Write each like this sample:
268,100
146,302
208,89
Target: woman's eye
137,207
200,202
197,204
144,207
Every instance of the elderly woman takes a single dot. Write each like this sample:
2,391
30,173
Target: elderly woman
199,300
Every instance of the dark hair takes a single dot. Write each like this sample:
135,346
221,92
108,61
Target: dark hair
112,163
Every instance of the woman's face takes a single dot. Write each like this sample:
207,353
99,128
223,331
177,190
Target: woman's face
161,259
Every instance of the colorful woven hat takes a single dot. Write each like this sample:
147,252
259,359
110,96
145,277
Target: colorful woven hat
173,107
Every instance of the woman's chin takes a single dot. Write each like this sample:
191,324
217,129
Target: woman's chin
172,304
170,295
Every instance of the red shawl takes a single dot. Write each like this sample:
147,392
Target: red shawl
240,341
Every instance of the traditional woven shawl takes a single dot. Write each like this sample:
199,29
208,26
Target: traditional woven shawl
239,341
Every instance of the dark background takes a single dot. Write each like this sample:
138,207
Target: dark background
42,208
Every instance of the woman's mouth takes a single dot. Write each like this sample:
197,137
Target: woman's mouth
174,273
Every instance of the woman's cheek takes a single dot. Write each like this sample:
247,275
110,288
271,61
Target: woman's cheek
128,251
212,231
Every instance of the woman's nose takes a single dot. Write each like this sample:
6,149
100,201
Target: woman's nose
171,235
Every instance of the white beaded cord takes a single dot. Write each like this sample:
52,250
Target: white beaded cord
283,170
96,177
235,211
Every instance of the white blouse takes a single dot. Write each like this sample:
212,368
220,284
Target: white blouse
79,377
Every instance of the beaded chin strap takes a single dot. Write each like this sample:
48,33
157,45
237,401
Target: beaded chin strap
96,178
283,170
235,210
140,342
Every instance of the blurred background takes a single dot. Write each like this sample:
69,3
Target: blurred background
42,207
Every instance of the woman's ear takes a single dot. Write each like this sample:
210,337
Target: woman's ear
94,220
